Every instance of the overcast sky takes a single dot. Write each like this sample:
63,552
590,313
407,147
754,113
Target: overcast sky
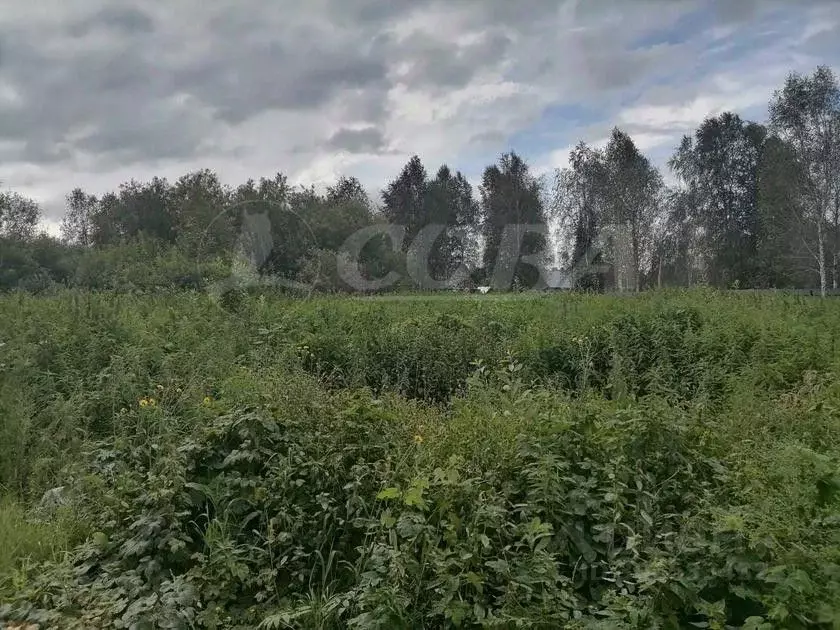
95,92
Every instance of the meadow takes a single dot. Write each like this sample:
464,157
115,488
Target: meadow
663,460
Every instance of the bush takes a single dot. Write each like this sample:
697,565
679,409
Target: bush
661,461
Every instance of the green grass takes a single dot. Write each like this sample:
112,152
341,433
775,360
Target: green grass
557,461
27,541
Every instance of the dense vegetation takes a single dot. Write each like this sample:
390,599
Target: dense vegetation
666,460
181,449
753,205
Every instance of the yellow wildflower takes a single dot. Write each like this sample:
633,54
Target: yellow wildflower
144,402
160,387
207,401
418,439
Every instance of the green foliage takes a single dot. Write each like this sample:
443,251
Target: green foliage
19,216
510,195
145,265
666,461
720,166
28,540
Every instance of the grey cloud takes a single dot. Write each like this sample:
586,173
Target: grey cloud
514,15
371,11
242,80
370,104
125,20
823,44
114,98
604,68
488,138
441,66
729,11
102,77
109,68
130,142
118,89
595,61
366,140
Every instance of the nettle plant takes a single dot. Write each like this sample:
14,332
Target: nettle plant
591,516
638,471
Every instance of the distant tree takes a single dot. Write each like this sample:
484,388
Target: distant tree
441,211
606,203
275,233
106,224
806,114
718,166
348,190
578,206
450,203
678,254
404,199
785,234
632,193
19,216
345,209
511,196
146,208
205,223
334,218
77,226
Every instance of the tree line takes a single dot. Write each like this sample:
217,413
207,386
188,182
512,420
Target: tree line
753,205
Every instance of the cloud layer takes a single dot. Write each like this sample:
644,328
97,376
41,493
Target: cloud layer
93,93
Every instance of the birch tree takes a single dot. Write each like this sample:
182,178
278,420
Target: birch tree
806,114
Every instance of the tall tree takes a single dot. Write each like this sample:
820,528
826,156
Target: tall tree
578,208
275,234
106,225
451,205
404,199
348,190
77,226
345,209
785,235
631,202
204,222
677,242
511,198
333,218
806,113
719,167
19,215
146,208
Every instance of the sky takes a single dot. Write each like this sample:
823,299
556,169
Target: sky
94,93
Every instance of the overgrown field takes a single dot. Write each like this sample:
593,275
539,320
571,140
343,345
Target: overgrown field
669,460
